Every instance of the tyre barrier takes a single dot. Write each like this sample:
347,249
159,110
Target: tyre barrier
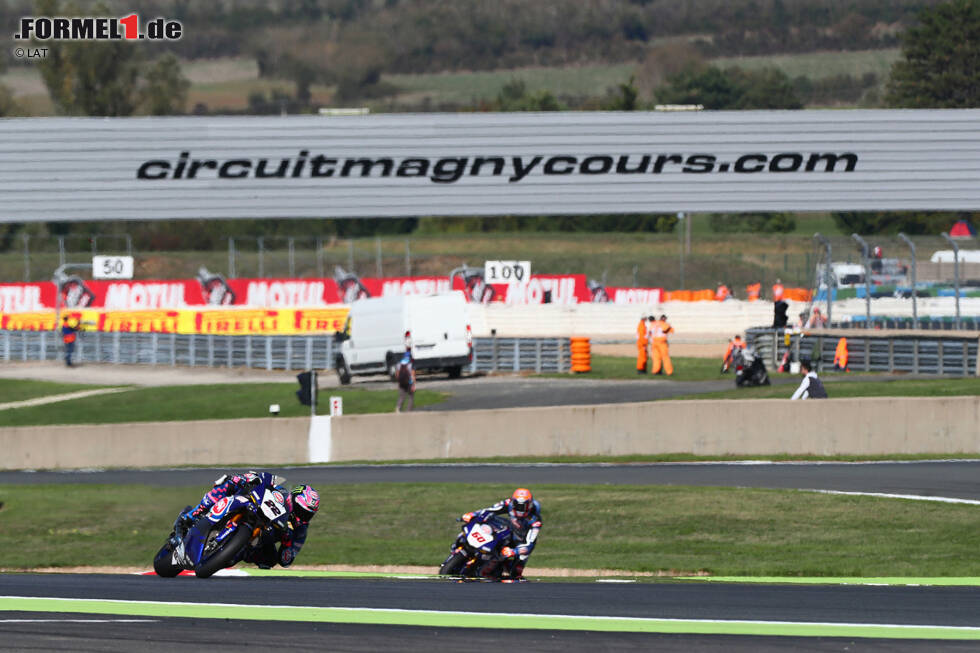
581,355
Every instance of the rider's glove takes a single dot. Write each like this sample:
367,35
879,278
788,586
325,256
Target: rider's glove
507,552
523,550
467,517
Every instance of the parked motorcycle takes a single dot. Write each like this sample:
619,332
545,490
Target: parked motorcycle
481,546
749,369
221,537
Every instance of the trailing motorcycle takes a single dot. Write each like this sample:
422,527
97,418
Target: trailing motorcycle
480,549
221,537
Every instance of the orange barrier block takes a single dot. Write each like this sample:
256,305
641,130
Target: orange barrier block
581,355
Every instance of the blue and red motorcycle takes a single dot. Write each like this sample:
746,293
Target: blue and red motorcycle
223,536
482,549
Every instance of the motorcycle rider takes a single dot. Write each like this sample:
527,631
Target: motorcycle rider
524,512
302,502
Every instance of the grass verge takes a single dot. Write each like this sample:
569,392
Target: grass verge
181,403
20,390
723,531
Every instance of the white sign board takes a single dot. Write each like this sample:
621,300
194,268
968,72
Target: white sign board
508,272
520,163
112,267
336,406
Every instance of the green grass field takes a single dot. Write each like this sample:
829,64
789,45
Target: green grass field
195,402
12,390
679,530
226,83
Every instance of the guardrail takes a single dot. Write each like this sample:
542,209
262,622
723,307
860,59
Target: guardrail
261,352
952,354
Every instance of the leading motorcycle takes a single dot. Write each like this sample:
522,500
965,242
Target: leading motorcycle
221,537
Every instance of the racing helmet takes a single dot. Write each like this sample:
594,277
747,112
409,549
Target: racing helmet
306,501
521,503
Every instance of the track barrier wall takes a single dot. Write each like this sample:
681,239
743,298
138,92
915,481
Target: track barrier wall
864,426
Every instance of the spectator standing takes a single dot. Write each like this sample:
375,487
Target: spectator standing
752,291
405,376
777,291
811,387
69,333
722,292
735,344
661,353
643,343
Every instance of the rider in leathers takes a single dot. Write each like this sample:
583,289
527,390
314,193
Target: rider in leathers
302,502
525,518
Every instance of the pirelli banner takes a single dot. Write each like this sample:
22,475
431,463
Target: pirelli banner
487,164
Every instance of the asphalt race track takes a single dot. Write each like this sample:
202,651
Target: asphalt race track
822,604
956,479
683,614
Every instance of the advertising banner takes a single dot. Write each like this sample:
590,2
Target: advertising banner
212,304
519,163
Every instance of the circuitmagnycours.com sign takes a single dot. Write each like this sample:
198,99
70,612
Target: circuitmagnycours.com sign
397,165
448,170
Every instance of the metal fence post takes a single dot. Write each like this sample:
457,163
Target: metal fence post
153,346
210,350
173,350
867,354
260,246
292,257
319,257
517,355
231,258
966,356
867,279
248,351
956,274
939,356
191,342
915,310
229,339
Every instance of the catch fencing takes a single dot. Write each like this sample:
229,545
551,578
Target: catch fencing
950,354
261,352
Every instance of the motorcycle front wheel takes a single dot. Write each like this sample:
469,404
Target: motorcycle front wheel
453,564
163,563
223,556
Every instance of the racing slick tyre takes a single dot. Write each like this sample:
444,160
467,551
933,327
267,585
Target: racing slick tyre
453,564
223,556
163,563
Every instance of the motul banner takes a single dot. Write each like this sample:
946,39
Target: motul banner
215,291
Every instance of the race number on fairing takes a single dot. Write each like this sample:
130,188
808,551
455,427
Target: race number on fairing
273,505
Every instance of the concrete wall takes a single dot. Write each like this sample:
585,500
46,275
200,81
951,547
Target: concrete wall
273,440
867,426
838,426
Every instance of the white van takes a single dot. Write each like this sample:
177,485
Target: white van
374,337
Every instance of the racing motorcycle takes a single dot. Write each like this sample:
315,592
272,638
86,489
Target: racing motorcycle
482,544
221,537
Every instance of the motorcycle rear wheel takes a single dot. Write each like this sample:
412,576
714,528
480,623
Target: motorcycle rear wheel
225,554
163,563
453,564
